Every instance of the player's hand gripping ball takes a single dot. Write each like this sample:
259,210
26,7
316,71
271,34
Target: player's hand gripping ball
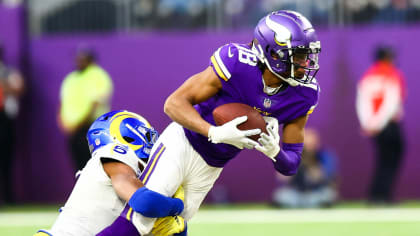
230,111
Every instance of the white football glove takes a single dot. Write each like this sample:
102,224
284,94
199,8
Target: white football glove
230,134
269,144
272,123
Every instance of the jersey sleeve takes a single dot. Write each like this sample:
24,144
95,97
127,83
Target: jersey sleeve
119,153
310,94
223,61
101,84
64,87
231,63
313,97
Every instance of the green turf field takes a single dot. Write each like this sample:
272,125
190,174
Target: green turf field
251,220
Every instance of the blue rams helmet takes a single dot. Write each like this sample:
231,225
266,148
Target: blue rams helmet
123,127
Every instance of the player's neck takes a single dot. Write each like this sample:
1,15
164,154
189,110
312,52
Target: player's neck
271,80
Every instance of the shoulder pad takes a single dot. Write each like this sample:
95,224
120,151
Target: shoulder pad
222,61
120,153
310,92
229,57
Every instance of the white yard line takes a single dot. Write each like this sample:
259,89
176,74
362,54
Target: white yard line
251,216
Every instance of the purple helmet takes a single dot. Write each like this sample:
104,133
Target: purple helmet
281,35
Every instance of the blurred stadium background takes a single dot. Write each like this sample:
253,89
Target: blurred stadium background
150,47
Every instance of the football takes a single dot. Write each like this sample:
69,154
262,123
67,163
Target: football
230,111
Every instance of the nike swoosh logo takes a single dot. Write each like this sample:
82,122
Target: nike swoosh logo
229,53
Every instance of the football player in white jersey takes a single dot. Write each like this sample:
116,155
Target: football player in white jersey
120,144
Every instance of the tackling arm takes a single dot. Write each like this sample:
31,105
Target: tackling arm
142,200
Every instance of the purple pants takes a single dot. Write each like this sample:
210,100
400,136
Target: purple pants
121,226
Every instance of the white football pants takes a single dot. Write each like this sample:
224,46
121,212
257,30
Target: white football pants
174,162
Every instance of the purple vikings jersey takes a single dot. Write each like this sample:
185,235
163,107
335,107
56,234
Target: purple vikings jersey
236,67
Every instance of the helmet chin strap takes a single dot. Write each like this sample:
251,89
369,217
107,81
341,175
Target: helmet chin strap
259,52
289,80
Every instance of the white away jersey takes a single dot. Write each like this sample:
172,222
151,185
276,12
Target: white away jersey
93,203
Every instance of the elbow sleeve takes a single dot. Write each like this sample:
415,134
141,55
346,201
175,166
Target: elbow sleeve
288,159
152,204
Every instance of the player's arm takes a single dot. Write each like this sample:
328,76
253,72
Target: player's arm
287,158
294,131
198,88
142,200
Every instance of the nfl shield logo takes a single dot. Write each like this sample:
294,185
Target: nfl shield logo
267,103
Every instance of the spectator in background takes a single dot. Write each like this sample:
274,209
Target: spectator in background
85,94
11,89
380,96
314,185
362,11
396,12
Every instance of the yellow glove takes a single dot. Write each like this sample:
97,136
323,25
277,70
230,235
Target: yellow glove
169,225
179,193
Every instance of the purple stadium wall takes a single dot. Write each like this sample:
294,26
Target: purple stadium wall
146,67
11,22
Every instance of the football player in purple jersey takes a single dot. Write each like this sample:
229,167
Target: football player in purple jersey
274,74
